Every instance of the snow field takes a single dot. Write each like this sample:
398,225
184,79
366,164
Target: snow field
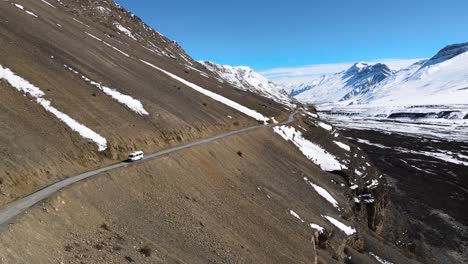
315,153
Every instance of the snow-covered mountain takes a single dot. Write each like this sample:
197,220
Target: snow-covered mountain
343,85
441,80
429,98
247,79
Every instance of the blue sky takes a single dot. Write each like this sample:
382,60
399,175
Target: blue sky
288,34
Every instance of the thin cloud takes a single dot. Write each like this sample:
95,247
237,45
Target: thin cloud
310,72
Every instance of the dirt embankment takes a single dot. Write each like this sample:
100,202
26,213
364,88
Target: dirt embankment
37,149
228,201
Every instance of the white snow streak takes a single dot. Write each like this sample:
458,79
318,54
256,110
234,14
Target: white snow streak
379,259
107,44
315,153
358,172
317,227
124,30
214,96
367,142
76,20
296,215
447,157
325,126
26,11
342,145
324,193
374,183
47,3
26,87
348,230
311,114
130,102
31,13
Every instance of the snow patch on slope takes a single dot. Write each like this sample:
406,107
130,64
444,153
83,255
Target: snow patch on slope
130,102
26,87
379,259
315,153
324,193
214,96
348,230
124,30
317,227
291,212
47,3
26,11
107,44
325,126
342,145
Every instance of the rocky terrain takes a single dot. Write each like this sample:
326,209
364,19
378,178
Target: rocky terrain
412,124
83,83
428,183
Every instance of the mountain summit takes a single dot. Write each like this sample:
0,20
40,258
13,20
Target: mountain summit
245,78
440,80
343,85
449,52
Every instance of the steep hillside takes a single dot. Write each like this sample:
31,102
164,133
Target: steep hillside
85,69
413,124
270,203
83,83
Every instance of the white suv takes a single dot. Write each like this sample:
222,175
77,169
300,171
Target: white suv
137,155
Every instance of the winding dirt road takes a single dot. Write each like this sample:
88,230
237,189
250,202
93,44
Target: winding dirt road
12,210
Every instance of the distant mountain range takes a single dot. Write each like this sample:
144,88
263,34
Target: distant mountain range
440,80
343,85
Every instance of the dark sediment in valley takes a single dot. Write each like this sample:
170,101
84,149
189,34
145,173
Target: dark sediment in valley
428,192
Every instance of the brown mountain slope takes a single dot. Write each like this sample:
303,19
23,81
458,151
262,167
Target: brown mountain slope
194,207
37,49
238,199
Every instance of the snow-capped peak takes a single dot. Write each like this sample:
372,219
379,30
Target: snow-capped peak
245,78
440,80
357,67
363,74
343,85
449,52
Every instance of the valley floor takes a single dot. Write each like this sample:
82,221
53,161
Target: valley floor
429,185
439,122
